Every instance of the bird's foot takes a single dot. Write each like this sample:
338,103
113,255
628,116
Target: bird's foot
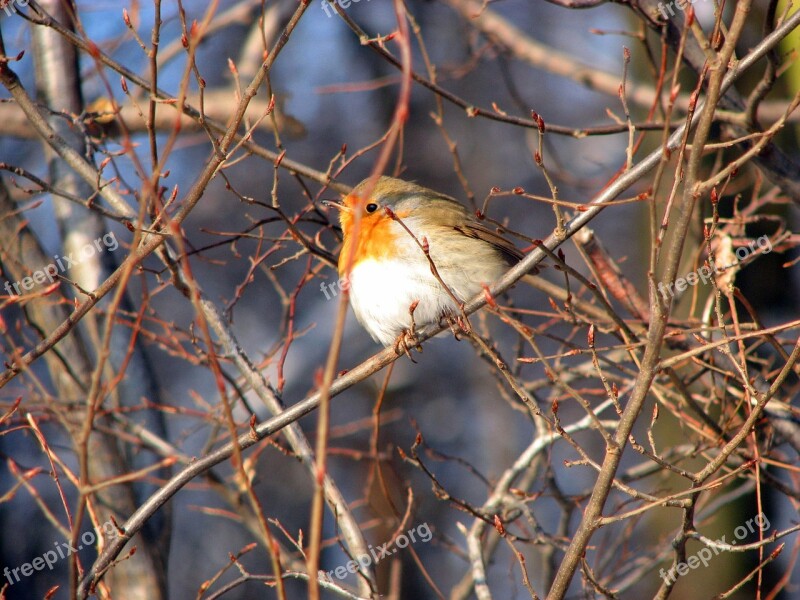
408,338
458,323
406,341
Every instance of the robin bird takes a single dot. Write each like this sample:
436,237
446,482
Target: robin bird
419,255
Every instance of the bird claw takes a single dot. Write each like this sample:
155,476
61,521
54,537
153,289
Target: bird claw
458,324
454,328
405,342
408,338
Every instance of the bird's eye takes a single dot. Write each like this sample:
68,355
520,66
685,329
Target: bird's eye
371,207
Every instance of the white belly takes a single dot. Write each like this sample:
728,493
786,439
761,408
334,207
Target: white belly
381,293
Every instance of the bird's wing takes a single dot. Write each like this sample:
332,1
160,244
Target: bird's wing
479,231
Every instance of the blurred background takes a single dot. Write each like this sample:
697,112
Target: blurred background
450,427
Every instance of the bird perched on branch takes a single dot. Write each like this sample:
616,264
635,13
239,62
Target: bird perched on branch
417,256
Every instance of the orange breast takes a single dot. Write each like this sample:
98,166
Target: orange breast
376,239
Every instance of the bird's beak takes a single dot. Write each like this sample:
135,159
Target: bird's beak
335,204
